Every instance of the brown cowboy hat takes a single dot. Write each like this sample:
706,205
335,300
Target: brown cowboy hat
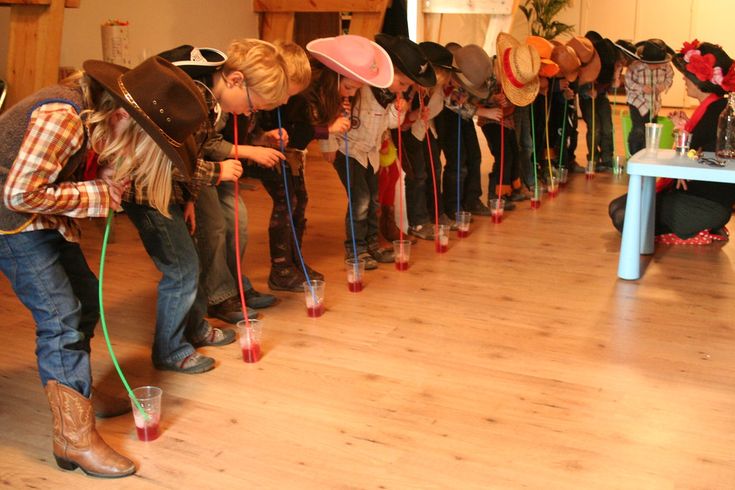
588,57
162,99
475,69
518,66
567,59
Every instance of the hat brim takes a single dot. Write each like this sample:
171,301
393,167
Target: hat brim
705,86
589,72
625,49
387,42
323,51
519,96
481,92
107,75
214,58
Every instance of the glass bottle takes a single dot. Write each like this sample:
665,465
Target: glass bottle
726,130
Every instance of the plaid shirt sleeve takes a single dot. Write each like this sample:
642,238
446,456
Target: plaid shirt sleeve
55,132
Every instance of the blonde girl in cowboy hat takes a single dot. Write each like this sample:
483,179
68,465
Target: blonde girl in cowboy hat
46,136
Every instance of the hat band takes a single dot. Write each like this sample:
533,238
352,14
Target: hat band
509,70
135,105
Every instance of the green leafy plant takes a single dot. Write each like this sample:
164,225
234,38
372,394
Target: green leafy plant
540,15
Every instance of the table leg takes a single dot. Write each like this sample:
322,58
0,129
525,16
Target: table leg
629,265
648,213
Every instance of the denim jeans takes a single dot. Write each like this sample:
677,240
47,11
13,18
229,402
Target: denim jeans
216,241
179,310
637,136
415,164
364,191
52,279
603,128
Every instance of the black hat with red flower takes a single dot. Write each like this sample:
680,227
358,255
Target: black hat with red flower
707,65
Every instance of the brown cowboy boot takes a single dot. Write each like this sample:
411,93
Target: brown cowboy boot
76,441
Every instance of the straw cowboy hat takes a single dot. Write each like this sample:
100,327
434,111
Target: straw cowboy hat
439,56
408,58
544,48
706,65
518,66
476,69
653,51
354,57
162,99
196,62
567,59
590,66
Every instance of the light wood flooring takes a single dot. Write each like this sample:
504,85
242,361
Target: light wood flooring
516,360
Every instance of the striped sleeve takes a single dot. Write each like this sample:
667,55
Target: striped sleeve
55,132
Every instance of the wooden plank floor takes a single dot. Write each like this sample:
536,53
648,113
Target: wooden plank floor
516,360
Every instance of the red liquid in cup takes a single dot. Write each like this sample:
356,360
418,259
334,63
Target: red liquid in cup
589,176
315,311
402,265
497,217
440,249
355,286
251,353
553,192
463,233
535,203
147,433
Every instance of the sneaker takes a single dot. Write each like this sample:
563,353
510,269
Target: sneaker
518,195
446,220
230,311
380,254
258,300
478,208
424,232
216,337
370,263
286,278
194,363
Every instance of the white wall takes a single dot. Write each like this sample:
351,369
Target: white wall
155,25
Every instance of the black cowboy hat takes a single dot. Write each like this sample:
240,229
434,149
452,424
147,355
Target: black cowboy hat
439,56
162,99
408,58
627,48
196,62
608,55
653,51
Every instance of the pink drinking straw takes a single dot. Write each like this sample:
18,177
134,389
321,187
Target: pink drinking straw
237,235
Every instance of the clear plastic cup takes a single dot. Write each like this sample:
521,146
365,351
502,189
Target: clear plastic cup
617,165
441,238
497,206
402,254
149,398
536,193
553,187
682,142
589,172
314,297
563,177
464,218
653,136
250,335
355,274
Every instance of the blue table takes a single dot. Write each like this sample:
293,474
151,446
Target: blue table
640,210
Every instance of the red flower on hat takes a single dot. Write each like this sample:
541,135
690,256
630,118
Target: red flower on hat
702,66
689,46
728,81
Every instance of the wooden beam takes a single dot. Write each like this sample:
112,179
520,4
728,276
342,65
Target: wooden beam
261,6
277,25
34,48
70,4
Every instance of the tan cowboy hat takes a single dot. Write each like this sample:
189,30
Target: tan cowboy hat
543,46
518,66
354,57
475,69
567,59
162,99
588,57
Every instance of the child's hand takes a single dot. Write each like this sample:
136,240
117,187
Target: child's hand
231,170
264,156
273,138
190,217
647,89
340,125
116,190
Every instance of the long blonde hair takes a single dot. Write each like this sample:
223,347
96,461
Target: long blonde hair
133,153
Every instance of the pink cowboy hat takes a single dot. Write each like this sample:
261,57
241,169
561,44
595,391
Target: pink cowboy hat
354,57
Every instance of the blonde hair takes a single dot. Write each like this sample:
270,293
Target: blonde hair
132,151
262,66
297,62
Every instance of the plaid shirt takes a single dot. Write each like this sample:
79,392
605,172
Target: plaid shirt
639,75
55,132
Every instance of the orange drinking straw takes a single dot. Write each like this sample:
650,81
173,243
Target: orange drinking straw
237,232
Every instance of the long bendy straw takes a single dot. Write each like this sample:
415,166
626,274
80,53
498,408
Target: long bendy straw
536,191
103,322
235,198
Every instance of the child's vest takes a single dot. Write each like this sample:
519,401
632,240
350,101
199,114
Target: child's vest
13,127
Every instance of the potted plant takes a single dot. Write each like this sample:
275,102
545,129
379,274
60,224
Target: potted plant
540,15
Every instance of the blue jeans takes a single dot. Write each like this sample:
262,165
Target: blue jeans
179,309
52,279
416,166
364,191
216,241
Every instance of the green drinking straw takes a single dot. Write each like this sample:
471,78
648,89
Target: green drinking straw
536,192
104,323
